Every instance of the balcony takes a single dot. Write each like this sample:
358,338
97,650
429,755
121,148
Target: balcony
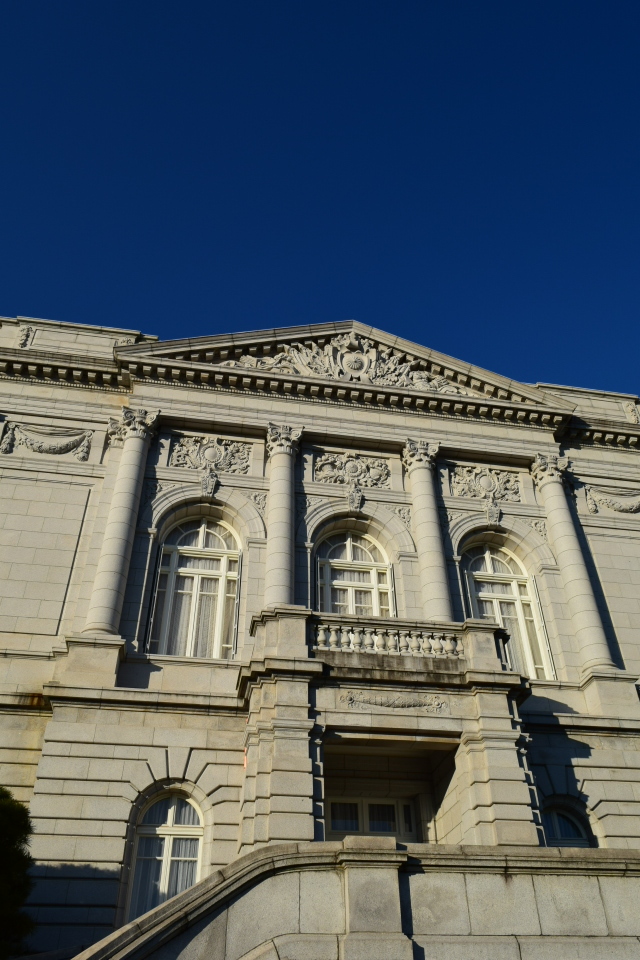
407,638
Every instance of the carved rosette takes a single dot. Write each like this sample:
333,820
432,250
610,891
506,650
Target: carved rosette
483,483
282,438
419,453
546,469
133,423
351,470
212,454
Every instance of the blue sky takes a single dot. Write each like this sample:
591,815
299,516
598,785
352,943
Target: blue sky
461,173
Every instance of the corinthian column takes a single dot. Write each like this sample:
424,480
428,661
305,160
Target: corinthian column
134,429
419,458
282,446
547,475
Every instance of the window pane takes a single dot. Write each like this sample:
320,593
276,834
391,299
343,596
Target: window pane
158,814
368,549
363,603
501,563
490,586
486,610
339,602
184,848
384,605
182,873
344,816
146,882
337,549
382,817
186,534
479,562
408,819
567,829
206,618
229,619
185,814
199,563
353,576
233,566
177,640
382,577
522,587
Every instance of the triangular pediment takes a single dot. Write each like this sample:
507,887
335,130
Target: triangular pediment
350,353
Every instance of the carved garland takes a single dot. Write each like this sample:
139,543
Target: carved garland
625,504
47,440
398,701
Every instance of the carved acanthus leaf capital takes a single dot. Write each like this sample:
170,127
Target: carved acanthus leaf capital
419,453
133,423
282,438
546,468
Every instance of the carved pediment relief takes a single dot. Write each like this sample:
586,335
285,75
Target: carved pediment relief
349,357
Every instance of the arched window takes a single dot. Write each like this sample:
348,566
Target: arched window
167,852
564,829
354,577
500,590
197,589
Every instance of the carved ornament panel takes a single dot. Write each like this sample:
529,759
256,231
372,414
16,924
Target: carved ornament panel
351,469
484,483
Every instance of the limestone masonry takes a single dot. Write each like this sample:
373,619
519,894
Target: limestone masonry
318,645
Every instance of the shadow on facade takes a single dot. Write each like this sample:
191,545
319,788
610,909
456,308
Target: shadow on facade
137,676
73,905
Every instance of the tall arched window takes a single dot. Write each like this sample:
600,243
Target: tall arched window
354,577
197,589
500,590
166,854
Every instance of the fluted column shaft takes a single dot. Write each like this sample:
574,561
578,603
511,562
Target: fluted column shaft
134,430
587,624
419,459
282,446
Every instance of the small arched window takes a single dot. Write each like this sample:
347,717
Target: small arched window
166,854
564,829
354,577
197,590
500,590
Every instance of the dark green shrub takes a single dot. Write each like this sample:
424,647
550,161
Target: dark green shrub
15,882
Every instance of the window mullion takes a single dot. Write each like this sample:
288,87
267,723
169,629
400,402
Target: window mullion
168,600
193,615
221,603
524,633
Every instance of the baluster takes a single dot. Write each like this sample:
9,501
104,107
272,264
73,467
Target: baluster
322,637
334,637
381,645
404,643
436,642
392,642
459,647
368,640
415,643
427,644
449,645
345,641
357,640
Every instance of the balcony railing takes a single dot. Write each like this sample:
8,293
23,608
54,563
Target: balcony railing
408,638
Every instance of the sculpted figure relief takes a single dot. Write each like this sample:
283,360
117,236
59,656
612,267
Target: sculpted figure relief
348,357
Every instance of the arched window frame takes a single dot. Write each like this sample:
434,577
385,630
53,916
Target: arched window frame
167,833
177,562
528,648
380,585
554,827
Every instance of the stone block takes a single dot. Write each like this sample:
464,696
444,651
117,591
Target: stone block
438,903
570,905
470,948
621,897
321,902
502,904
579,948
379,946
269,909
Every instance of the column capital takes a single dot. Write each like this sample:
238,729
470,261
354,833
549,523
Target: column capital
546,468
133,423
281,438
419,453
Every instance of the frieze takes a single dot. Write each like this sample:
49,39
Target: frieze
620,504
351,469
48,440
484,483
395,701
348,357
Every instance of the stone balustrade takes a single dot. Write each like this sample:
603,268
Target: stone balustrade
344,634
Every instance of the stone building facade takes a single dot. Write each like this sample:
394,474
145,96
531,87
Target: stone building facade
321,637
